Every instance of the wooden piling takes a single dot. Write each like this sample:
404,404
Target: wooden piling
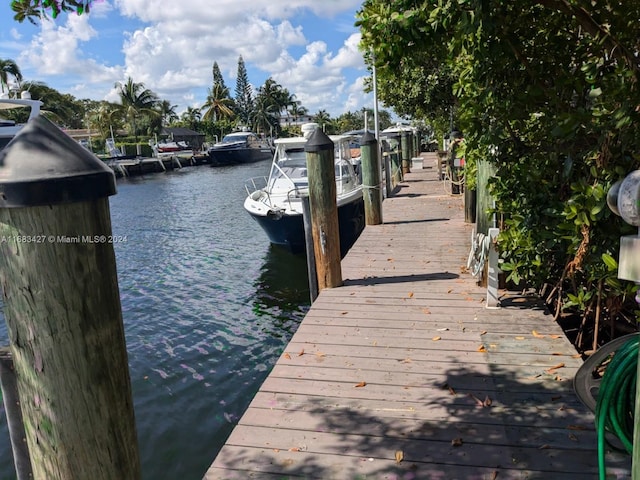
62,308
371,179
324,211
406,152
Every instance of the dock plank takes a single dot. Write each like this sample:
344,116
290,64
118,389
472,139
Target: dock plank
403,373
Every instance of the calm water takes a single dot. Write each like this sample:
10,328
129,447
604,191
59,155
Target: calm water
208,307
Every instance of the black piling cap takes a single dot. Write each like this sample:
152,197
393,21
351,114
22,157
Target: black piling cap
368,138
318,142
42,165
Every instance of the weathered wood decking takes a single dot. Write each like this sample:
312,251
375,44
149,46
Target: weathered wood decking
403,374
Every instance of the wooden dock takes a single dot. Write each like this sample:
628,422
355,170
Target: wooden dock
403,373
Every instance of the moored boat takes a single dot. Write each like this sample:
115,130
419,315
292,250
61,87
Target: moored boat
169,150
240,147
276,202
9,128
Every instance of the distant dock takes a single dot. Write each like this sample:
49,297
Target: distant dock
402,373
138,166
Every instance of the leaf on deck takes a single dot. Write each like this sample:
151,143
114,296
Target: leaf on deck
482,348
435,339
410,294
456,442
360,385
554,368
287,356
536,334
399,456
301,352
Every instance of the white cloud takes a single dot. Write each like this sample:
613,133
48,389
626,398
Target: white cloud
171,46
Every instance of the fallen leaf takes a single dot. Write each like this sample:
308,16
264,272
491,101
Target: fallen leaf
301,352
484,332
519,338
494,475
487,401
456,442
482,348
426,311
399,456
343,313
576,427
555,336
554,368
410,294
451,390
450,290
536,334
287,356
573,437
294,449
544,447
445,329
361,384
320,354
435,339
406,360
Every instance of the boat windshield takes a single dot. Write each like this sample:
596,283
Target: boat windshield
234,138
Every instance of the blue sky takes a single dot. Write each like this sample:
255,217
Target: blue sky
308,46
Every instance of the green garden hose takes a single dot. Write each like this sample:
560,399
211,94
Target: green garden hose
615,404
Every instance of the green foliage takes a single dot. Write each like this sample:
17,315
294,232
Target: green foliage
551,89
34,10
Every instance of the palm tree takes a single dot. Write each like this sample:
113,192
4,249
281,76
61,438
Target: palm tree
136,100
167,112
296,110
322,118
9,67
264,115
218,104
191,116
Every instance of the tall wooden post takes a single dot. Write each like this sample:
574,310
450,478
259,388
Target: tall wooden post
371,179
62,308
406,152
324,211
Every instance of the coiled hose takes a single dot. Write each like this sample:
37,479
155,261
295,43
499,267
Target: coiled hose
615,404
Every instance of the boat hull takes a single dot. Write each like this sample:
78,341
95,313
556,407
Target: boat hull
235,156
287,231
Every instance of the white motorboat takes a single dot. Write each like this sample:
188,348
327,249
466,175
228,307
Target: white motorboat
9,128
276,202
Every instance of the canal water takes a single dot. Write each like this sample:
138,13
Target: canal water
208,306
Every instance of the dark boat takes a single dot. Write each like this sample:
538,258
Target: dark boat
240,147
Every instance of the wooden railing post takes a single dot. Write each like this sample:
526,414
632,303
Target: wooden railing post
319,151
371,179
62,308
406,152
